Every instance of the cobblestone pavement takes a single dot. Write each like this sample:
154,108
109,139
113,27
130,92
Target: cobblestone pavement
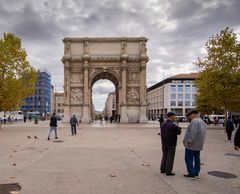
109,159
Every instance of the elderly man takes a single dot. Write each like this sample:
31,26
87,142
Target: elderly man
193,143
169,132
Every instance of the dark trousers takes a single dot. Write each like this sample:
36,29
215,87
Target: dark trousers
229,134
192,159
73,129
168,154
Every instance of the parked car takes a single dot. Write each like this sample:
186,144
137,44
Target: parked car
181,119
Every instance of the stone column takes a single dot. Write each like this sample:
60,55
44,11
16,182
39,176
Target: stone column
85,114
67,92
124,116
143,103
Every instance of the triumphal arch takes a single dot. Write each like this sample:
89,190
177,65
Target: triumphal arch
121,60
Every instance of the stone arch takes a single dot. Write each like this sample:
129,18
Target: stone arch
121,60
110,75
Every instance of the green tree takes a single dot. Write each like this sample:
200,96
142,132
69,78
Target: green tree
17,76
219,82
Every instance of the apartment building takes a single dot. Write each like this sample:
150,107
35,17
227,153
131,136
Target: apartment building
176,94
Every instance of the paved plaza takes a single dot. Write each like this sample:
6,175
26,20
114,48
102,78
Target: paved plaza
109,159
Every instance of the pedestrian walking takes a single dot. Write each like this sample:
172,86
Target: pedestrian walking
25,118
193,142
74,124
169,132
53,126
237,139
229,128
161,120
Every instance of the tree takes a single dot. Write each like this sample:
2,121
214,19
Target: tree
218,85
17,76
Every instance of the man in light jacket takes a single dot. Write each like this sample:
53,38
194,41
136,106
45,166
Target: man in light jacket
193,143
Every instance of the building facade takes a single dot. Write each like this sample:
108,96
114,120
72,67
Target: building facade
41,100
110,105
58,103
176,94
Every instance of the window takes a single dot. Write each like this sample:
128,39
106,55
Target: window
177,111
193,96
180,88
187,96
180,96
193,88
193,103
173,88
173,96
187,88
187,103
180,103
173,103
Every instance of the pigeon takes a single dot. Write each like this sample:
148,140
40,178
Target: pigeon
35,137
28,137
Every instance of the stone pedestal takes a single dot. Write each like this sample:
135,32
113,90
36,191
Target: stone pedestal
124,116
143,117
85,115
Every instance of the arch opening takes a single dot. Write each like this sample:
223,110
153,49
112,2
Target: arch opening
104,97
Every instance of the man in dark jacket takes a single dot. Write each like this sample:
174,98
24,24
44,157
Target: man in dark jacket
74,123
229,128
161,120
237,139
53,126
169,132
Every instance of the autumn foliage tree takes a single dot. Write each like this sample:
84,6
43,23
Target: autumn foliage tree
17,76
219,82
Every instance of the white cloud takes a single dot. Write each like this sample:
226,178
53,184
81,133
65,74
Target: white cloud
177,29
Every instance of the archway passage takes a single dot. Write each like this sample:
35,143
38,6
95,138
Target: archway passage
114,80
105,103
120,60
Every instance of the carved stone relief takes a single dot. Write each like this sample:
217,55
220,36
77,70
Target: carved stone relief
124,48
76,77
143,48
76,96
67,48
133,96
85,47
133,69
133,78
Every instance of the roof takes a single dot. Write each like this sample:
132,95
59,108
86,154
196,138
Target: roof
186,76
104,39
190,76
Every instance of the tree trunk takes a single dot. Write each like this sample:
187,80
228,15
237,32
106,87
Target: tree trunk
225,113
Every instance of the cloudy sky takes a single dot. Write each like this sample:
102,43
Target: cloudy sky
176,29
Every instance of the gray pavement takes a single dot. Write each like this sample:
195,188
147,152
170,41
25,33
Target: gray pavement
109,159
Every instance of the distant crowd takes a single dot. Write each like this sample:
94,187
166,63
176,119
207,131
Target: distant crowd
9,119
